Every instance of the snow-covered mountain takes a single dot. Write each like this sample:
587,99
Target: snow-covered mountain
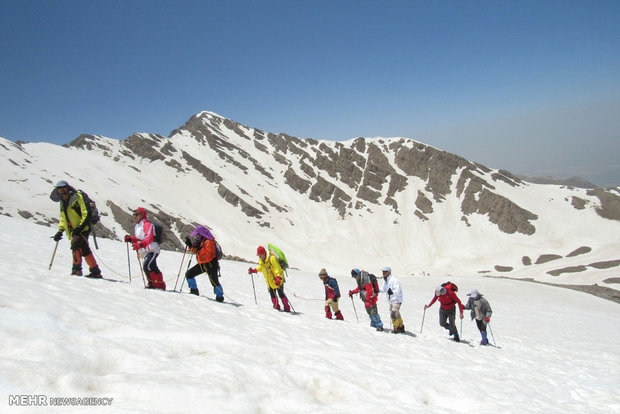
364,202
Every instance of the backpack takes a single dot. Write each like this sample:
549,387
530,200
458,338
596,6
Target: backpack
451,286
374,283
91,209
280,255
159,235
207,252
218,251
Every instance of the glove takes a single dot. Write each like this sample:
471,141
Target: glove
188,242
128,239
78,230
57,236
250,271
137,245
390,292
350,293
278,280
487,319
425,306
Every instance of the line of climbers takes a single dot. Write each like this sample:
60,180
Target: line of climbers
77,215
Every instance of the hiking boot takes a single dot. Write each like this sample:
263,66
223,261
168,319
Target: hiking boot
194,292
456,337
76,270
219,299
95,273
380,329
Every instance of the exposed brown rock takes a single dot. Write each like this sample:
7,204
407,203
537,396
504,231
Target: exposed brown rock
570,269
610,203
579,251
545,258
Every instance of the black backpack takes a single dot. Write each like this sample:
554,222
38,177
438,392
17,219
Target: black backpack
91,209
159,235
218,251
374,283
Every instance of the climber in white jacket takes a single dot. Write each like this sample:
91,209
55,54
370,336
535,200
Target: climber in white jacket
391,287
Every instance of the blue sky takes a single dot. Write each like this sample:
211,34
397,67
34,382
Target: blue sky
531,87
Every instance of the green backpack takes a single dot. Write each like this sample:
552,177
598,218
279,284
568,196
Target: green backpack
280,255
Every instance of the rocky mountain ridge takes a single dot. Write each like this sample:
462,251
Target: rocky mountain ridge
253,186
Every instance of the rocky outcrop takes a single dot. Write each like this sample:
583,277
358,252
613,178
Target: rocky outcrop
205,171
610,204
507,215
145,146
545,258
235,200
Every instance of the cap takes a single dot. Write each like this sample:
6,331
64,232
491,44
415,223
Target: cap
61,183
387,269
141,211
474,293
261,251
355,272
440,290
323,273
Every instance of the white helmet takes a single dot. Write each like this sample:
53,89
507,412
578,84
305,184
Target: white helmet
440,290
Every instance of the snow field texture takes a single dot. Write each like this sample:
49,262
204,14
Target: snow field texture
154,351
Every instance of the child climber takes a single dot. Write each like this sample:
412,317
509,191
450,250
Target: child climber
332,293
274,276
203,244
480,311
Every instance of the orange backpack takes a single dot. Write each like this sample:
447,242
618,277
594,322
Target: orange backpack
207,251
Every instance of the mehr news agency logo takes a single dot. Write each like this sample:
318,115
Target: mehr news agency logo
44,400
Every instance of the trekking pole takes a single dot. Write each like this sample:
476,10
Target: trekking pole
95,239
423,315
253,288
291,305
354,310
53,255
180,267
141,270
492,336
128,262
189,263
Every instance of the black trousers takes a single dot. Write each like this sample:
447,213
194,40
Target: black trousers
212,269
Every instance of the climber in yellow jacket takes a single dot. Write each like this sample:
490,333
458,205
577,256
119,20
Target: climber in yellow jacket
75,221
274,276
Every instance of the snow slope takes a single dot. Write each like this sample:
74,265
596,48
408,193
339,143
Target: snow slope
155,351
